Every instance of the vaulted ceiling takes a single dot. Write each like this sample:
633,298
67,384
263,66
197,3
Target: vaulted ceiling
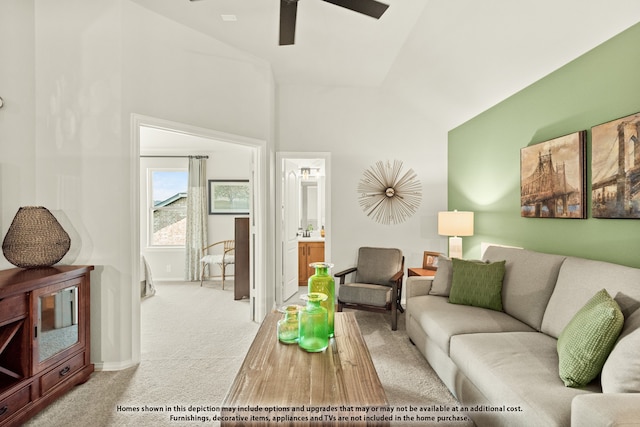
451,58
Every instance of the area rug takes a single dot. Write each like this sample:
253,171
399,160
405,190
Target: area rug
194,339
413,389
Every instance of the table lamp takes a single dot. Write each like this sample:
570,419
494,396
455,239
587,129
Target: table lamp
455,224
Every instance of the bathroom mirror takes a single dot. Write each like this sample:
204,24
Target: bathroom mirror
309,205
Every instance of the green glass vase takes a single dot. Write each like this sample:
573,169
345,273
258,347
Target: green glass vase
324,283
313,334
289,325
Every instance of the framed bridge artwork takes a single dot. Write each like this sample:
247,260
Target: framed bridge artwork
552,178
615,168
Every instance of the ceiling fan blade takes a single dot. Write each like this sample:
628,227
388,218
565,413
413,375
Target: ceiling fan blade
372,8
288,11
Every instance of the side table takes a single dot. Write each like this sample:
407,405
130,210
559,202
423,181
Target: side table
420,272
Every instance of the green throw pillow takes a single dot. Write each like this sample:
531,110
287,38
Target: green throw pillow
587,340
477,284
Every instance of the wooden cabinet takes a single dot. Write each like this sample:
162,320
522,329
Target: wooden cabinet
44,337
308,252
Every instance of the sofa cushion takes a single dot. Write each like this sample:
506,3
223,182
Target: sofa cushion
441,320
517,369
442,281
621,371
444,276
627,304
529,280
585,344
477,284
578,280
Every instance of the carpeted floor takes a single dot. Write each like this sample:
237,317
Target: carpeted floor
193,342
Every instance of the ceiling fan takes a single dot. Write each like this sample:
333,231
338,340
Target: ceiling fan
289,8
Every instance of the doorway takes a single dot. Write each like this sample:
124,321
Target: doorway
303,200
259,294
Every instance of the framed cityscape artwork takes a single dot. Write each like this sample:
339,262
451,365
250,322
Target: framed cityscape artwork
552,178
615,168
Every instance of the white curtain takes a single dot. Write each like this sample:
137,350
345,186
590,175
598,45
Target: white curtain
197,214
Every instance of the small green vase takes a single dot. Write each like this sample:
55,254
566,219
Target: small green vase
324,283
313,334
289,325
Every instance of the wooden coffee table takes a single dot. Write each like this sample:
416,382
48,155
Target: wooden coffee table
281,384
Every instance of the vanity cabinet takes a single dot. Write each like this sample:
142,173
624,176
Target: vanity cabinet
308,252
44,337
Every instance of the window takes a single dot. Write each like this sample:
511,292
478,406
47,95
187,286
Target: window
168,212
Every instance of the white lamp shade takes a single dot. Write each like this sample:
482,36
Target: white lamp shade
455,223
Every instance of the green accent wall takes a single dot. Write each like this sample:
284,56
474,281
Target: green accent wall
484,155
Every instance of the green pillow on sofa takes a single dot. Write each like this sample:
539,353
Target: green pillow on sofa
477,284
585,343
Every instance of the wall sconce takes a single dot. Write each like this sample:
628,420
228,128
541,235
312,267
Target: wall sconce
455,224
306,172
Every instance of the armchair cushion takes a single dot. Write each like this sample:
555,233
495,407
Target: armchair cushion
218,259
378,265
365,293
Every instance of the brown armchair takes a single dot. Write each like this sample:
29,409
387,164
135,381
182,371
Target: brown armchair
377,285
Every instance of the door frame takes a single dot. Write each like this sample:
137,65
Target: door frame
281,156
259,207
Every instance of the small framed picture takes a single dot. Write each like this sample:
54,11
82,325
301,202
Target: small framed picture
228,197
430,260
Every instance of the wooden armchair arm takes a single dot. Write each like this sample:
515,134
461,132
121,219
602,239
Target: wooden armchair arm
342,274
397,277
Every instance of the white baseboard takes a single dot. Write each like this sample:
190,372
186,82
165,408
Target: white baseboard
114,366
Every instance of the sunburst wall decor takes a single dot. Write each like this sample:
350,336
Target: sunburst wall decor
387,195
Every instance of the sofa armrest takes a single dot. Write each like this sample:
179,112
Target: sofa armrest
417,285
605,409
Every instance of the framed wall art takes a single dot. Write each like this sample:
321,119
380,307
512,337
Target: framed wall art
615,168
430,260
552,178
228,197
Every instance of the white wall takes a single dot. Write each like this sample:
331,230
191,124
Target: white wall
108,61
71,92
17,132
169,263
361,126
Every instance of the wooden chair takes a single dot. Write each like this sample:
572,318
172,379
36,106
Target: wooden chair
226,257
377,285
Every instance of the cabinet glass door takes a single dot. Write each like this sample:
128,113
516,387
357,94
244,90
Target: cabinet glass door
57,323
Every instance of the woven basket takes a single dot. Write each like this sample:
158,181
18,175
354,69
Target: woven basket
35,239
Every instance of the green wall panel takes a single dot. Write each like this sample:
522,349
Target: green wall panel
484,155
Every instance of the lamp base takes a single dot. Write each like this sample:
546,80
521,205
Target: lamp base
455,247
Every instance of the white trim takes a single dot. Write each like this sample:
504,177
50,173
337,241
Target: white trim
112,366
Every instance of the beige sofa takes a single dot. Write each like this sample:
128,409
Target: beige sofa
507,361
